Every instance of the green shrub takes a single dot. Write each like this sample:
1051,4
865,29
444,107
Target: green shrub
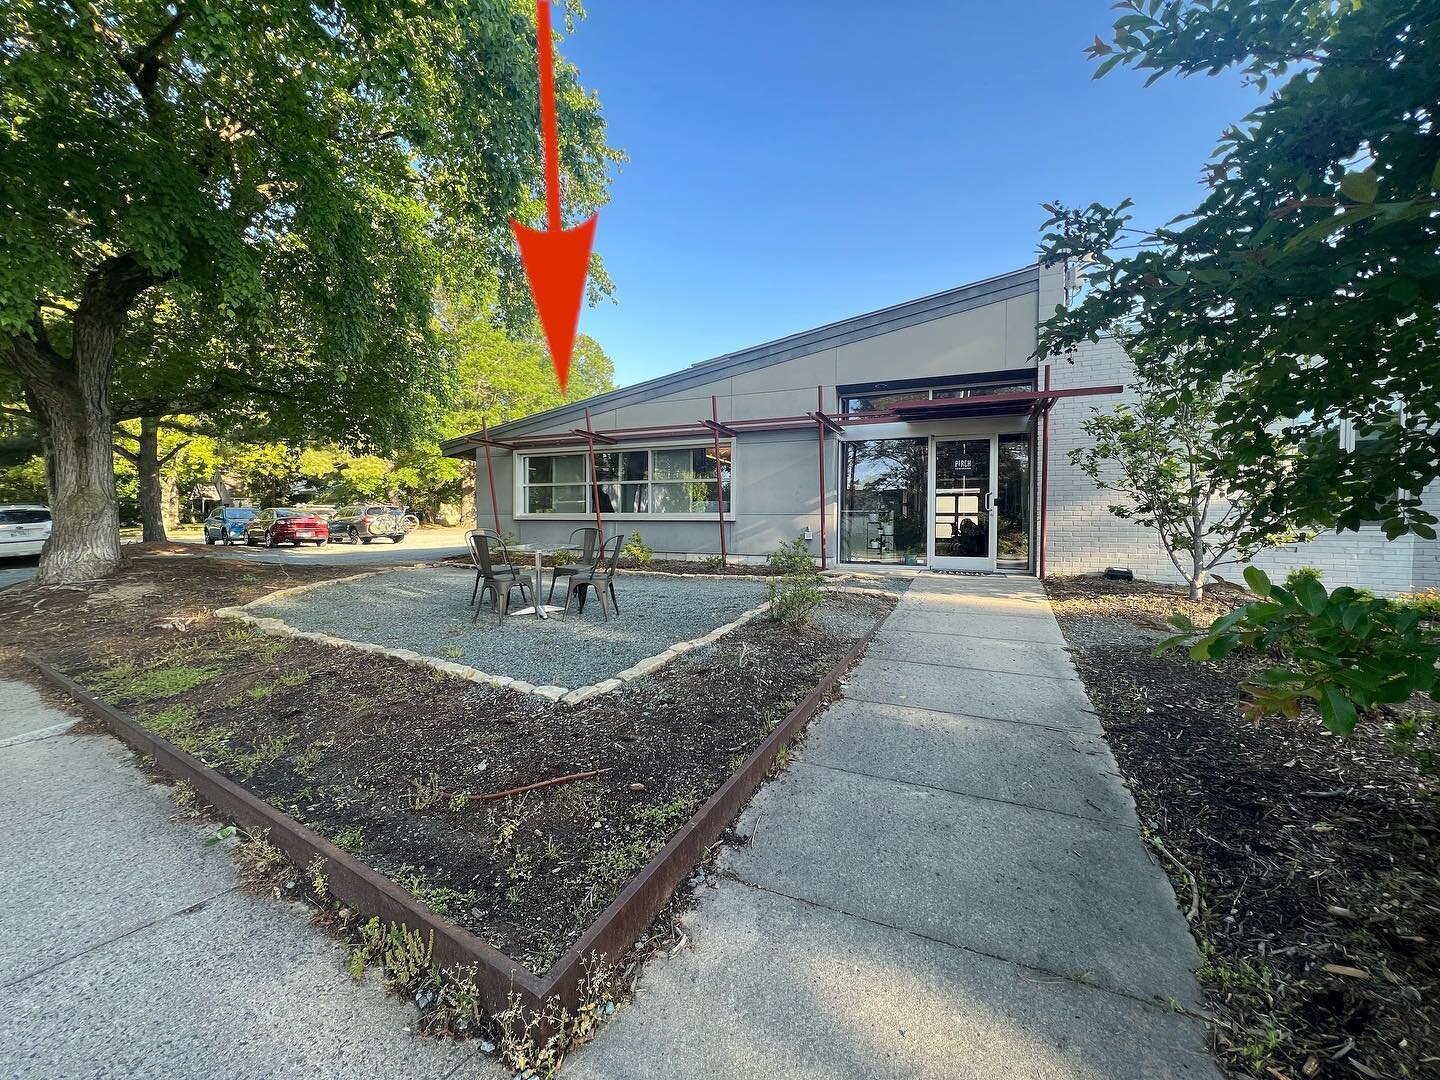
636,548
1351,655
1302,573
795,592
1426,602
712,564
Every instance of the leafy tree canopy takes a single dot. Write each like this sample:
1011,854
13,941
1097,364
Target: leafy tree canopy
1308,279
277,193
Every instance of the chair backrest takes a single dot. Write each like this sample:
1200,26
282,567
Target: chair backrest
589,537
609,555
480,542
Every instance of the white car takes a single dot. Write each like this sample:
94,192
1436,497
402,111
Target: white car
24,528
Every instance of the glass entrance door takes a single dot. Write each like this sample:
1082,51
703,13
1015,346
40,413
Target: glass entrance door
962,532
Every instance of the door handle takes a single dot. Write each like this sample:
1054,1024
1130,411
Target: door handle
989,501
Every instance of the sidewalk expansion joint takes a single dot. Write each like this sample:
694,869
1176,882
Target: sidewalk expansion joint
39,734
1033,971
188,909
969,795
977,637
1097,734
972,667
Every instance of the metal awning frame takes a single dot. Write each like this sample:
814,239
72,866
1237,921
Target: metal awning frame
1029,403
1034,405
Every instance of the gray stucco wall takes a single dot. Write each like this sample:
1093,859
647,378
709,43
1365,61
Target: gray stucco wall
775,484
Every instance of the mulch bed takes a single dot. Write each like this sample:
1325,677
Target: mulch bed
378,756
1315,856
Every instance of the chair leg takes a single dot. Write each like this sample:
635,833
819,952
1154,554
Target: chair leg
600,599
476,590
502,605
569,592
551,594
613,602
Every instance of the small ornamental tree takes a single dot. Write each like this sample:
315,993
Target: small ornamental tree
1307,282
1163,455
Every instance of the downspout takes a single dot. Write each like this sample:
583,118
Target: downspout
594,479
490,473
820,433
719,484
1044,474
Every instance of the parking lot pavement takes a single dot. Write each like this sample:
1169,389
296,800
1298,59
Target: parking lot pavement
14,571
422,545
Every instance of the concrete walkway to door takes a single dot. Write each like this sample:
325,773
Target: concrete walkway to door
947,882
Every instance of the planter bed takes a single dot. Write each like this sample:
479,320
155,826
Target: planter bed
1316,858
369,755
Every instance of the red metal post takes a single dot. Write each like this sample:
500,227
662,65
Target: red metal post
820,432
1044,475
719,484
594,479
490,472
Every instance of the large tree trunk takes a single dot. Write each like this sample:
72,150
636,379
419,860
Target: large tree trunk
147,464
70,400
74,421
169,500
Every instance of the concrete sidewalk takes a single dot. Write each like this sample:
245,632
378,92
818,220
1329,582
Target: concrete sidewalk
947,882
128,949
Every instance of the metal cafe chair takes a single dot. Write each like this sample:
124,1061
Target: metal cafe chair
589,537
600,577
497,577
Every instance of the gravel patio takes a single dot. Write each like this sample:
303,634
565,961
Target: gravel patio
426,610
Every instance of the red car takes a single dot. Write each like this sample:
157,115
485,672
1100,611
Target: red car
282,525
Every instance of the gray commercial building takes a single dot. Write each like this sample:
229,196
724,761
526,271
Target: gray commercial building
921,435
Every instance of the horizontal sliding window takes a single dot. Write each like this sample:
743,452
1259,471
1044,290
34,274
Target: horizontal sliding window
671,481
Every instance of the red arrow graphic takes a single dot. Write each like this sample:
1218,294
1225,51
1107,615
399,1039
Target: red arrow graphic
556,261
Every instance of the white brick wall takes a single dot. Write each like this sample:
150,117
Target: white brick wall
1084,537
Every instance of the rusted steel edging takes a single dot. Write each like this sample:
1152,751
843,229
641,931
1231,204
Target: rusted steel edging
351,881
363,889
620,924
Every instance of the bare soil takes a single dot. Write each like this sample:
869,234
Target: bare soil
1315,856
381,757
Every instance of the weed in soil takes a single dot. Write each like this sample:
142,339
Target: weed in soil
1315,857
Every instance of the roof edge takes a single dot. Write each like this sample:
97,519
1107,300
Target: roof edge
917,310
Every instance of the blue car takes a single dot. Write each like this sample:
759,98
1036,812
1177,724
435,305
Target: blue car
226,525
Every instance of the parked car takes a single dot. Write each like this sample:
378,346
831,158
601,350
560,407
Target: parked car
366,521
226,524
284,525
24,528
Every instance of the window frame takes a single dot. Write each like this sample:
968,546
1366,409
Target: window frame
521,485
943,390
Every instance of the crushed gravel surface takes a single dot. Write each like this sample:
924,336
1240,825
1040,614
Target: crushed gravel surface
426,610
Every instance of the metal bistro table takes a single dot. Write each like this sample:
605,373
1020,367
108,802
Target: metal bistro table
544,611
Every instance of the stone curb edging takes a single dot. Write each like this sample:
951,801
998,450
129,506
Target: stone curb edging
565,695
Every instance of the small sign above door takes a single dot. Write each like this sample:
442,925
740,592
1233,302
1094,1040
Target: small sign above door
964,464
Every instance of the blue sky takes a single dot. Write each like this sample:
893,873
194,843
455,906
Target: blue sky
793,163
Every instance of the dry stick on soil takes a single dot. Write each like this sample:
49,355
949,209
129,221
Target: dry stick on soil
1194,885
531,787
